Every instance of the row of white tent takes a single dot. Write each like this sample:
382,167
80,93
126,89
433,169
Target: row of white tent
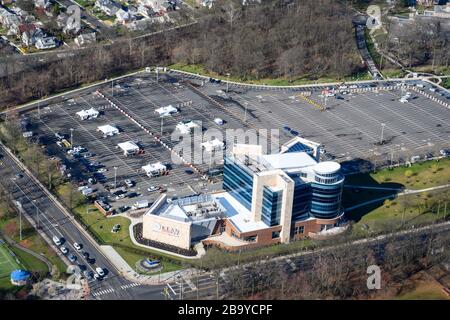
88,114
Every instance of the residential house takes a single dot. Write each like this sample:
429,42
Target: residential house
44,4
122,16
30,34
46,43
9,20
109,7
85,38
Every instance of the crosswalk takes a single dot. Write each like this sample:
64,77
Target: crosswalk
102,292
130,285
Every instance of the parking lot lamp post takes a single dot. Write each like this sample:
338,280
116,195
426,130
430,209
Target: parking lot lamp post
382,131
245,111
115,177
71,138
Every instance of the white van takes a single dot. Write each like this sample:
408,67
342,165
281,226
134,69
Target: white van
403,100
57,240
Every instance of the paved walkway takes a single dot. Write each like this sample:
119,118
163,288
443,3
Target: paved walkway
406,192
34,254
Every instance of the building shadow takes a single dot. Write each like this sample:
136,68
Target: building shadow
362,193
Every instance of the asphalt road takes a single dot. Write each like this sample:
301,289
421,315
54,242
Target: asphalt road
53,222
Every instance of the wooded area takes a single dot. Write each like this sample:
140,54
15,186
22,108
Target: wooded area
308,38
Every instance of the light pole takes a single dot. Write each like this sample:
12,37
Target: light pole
157,74
228,82
112,88
37,213
115,177
245,111
71,138
39,109
382,131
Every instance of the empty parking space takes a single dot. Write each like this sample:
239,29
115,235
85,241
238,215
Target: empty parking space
371,125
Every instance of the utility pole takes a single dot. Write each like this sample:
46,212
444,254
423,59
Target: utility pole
228,82
20,223
71,138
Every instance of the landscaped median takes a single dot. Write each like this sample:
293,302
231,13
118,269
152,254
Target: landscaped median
200,70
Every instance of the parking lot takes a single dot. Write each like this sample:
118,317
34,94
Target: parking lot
373,126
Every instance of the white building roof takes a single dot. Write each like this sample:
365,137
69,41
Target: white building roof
237,213
211,145
128,146
108,129
291,160
154,167
167,110
327,167
185,127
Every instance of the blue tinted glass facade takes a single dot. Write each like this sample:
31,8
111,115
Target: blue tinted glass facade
271,207
238,181
327,195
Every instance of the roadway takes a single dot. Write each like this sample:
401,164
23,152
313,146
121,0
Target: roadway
52,221
210,285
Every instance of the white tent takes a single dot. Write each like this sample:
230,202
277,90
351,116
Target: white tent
129,148
213,145
186,127
166,111
108,130
88,114
154,169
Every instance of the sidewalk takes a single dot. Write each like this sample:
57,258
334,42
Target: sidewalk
130,274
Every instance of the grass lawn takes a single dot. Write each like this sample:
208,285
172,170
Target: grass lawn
7,262
101,227
419,176
33,241
199,69
31,263
424,291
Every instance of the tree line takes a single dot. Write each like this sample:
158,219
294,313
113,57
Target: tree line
278,38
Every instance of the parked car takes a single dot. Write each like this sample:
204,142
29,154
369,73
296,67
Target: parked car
129,183
152,189
101,170
64,250
77,246
132,195
89,275
100,271
57,240
72,258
